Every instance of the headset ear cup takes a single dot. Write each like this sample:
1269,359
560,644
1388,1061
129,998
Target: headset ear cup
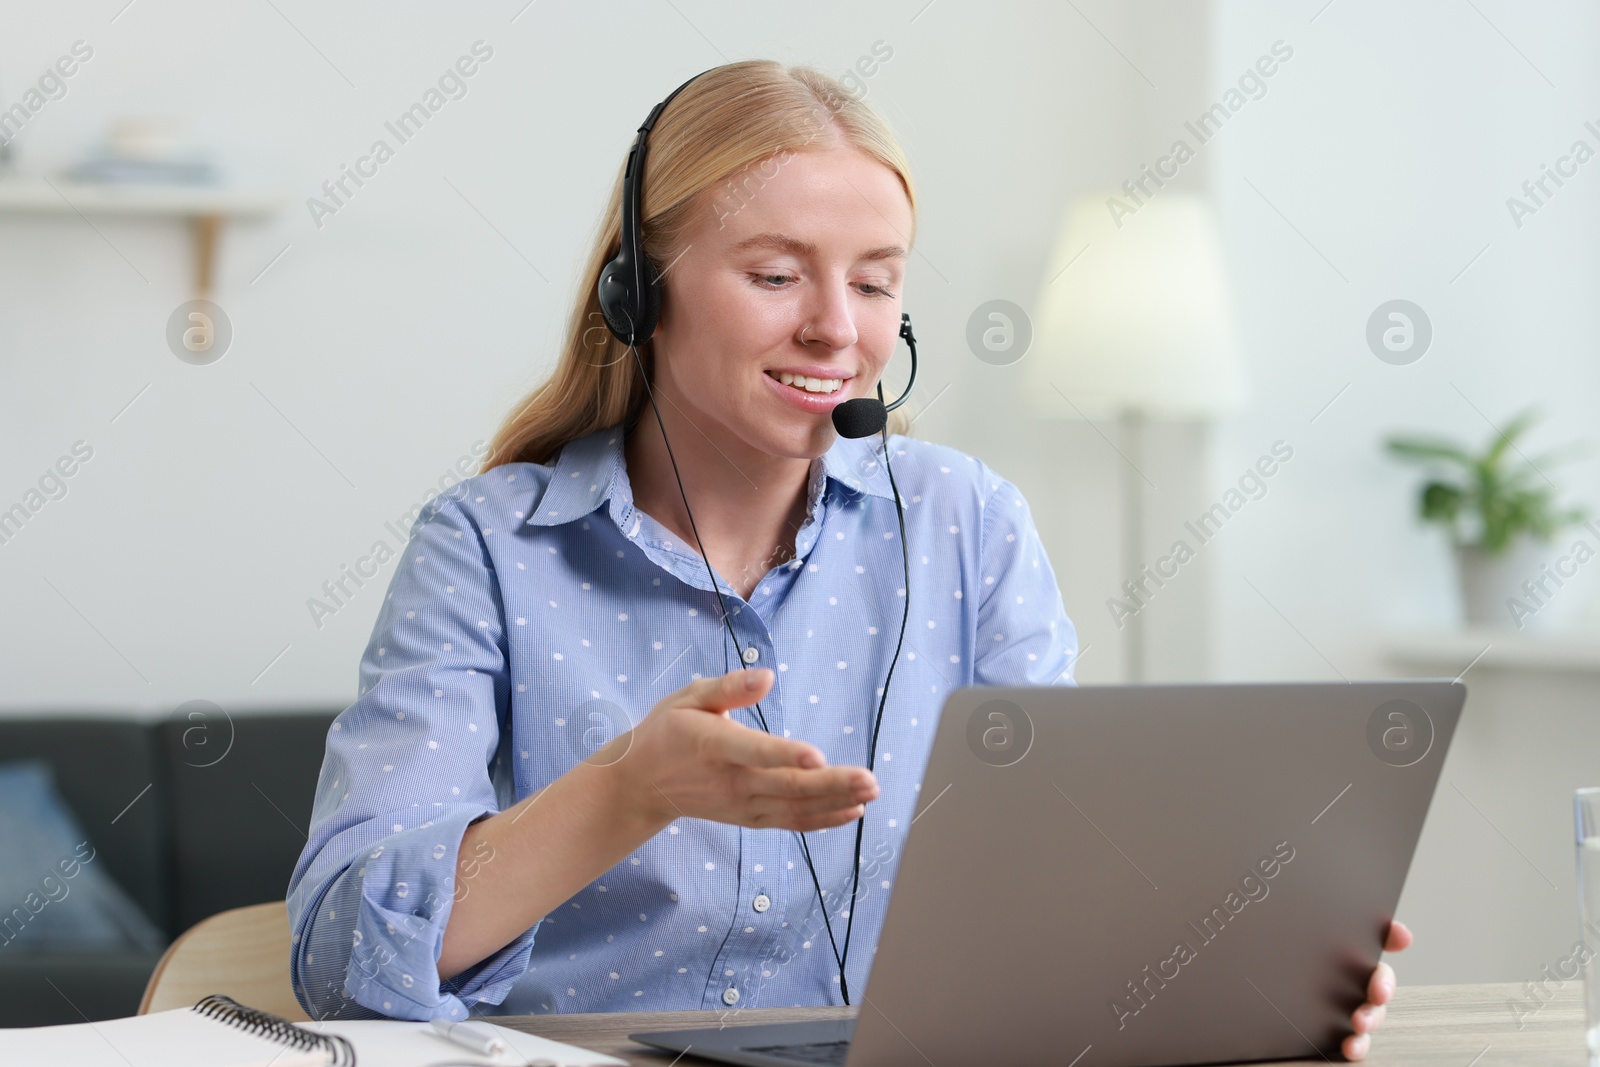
615,294
631,318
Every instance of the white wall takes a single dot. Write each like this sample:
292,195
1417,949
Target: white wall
1391,141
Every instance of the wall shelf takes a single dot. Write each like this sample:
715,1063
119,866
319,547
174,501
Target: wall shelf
1449,651
205,208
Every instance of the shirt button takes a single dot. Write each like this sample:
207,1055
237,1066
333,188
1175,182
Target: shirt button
730,996
762,902
752,654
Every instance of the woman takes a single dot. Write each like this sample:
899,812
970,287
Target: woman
499,825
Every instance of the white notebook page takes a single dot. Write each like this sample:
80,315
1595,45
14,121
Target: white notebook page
182,1037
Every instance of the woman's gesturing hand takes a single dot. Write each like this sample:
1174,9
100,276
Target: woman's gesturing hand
690,759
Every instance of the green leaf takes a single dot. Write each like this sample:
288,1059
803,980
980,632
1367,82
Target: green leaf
1557,456
1422,449
1441,502
1506,436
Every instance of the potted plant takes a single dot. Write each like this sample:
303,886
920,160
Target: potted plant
1499,510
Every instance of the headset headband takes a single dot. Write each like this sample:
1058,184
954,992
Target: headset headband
630,298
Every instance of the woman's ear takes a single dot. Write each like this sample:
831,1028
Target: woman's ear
664,315
666,281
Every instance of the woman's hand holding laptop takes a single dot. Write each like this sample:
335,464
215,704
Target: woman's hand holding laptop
1380,988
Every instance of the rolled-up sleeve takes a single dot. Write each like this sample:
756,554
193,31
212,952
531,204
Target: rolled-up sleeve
406,770
1024,635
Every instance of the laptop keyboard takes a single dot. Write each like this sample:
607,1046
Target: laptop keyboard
827,1052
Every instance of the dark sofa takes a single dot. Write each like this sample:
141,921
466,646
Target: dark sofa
220,826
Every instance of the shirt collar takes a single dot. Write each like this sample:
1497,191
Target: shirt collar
586,473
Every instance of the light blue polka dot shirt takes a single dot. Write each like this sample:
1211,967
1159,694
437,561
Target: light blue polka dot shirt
536,612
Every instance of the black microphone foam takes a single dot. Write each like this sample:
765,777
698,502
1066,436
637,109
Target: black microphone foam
861,417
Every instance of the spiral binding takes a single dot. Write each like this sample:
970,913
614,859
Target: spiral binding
276,1028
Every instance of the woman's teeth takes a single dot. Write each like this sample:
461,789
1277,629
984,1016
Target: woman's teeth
810,385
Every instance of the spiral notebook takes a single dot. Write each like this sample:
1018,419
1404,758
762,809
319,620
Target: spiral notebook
219,1032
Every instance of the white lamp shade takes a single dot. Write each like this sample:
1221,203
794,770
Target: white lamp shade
1142,320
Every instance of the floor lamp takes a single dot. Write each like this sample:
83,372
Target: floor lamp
1134,321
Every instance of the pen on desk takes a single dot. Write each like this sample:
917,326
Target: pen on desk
470,1035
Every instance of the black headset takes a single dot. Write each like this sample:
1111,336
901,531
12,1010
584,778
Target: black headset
630,301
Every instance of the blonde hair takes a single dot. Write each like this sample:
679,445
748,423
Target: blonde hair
727,119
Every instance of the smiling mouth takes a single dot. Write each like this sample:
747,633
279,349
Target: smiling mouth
816,386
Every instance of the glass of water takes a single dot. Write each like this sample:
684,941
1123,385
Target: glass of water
1586,817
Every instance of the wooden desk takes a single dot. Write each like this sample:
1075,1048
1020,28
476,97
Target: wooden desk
1444,1025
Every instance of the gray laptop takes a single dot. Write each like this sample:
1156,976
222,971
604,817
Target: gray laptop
1131,876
